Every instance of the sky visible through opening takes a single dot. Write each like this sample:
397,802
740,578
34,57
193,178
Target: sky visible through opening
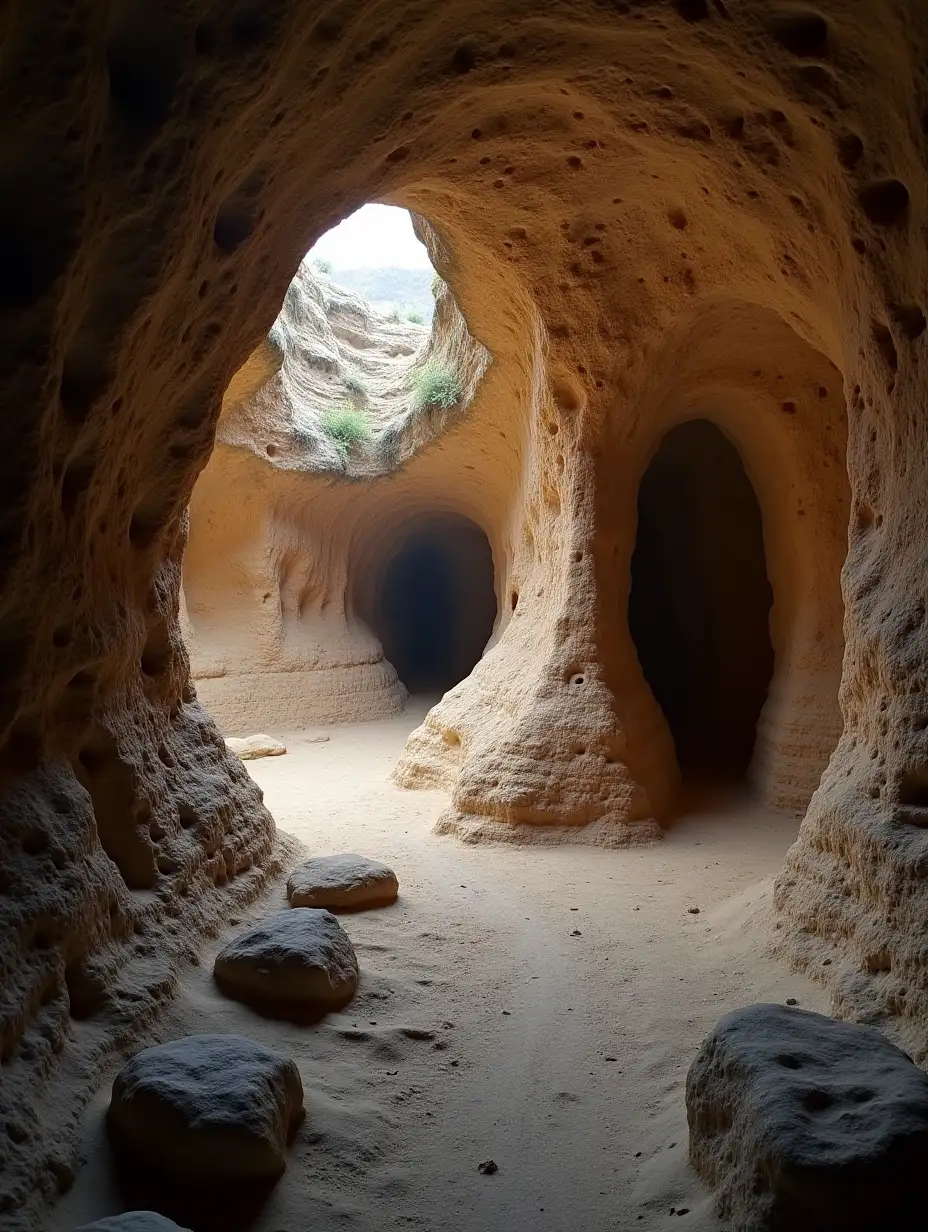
374,237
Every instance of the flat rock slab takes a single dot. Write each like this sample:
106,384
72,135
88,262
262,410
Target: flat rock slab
133,1221
342,883
251,747
207,1108
301,959
802,1122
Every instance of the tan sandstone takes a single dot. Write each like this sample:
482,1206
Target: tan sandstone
647,211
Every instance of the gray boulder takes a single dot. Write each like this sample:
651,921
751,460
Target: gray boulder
346,882
293,958
133,1221
207,1108
802,1122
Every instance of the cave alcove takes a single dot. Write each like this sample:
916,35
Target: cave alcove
700,601
430,601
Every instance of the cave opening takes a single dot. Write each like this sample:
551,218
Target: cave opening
700,600
376,254
434,604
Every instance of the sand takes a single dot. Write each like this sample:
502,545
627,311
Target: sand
484,1027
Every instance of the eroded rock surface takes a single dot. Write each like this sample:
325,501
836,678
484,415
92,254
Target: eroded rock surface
207,1109
300,959
342,883
250,747
650,210
798,1121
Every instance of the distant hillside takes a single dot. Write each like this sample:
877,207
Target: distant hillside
407,290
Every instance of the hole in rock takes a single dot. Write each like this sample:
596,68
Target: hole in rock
433,603
376,254
368,362
700,600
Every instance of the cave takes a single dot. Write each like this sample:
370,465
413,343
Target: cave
433,605
700,600
218,466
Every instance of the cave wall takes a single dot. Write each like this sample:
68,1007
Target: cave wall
608,177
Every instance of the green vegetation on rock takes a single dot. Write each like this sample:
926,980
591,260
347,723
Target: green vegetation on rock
346,426
435,384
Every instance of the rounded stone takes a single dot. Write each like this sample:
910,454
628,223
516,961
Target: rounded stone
292,958
249,748
799,1121
207,1108
133,1221
346,882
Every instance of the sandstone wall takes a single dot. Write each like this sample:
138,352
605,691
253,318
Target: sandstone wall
608,178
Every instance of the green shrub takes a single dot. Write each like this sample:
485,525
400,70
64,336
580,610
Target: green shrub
346,426
435,384
395,316
355,383
323,266
415,318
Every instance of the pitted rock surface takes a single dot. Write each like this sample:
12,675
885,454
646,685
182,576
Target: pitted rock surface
207,1108
799,1121
646,210
292,958
342,883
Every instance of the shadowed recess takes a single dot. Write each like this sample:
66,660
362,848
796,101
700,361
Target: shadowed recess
435,606
700,599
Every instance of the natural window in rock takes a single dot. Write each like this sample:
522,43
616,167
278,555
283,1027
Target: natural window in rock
700,600
323,440
432,602
376,253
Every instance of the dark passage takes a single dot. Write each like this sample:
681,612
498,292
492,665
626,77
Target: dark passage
700,600
436,604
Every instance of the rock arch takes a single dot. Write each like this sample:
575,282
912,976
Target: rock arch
425,586
594,193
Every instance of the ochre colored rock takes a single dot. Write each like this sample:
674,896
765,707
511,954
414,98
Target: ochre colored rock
342,883
207,1109
648,213
799,1121
248,748
298,959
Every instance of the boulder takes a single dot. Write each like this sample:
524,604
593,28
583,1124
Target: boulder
802,1122
207,1108
293,958
342,883
249,748
133,1221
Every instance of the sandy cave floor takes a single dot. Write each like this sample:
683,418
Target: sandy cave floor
484,1028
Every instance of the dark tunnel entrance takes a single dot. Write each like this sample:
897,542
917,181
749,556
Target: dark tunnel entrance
700,600
435,603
